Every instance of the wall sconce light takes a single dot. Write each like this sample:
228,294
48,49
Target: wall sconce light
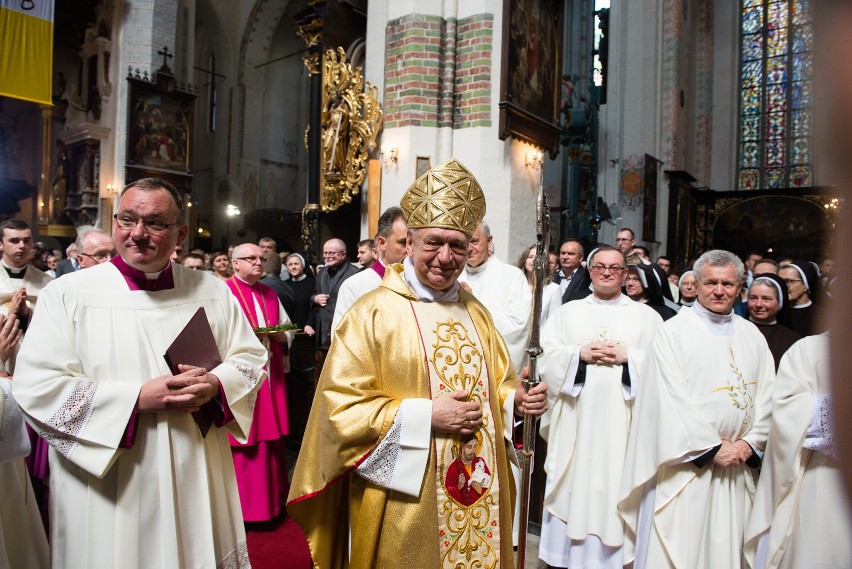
390,153
535,159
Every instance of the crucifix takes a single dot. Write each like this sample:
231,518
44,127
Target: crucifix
166,55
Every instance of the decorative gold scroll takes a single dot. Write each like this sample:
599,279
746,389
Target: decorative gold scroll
351,120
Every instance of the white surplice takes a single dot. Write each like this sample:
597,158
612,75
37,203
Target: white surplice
22,539
801,514
169,501
586,428
33,281
351,290
709,378
505,292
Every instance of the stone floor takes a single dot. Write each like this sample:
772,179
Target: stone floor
531,561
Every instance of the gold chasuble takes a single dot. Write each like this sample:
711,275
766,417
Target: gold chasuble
390,347
468,496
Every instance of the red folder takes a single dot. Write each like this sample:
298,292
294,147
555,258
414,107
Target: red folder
196,346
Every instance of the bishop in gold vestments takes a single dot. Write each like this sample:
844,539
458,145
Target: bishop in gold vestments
417,378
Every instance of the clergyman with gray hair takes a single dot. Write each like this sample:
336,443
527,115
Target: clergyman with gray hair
699,430
390,241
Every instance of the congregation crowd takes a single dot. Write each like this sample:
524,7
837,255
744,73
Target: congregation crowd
685,404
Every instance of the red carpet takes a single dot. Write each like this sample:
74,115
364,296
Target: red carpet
279,544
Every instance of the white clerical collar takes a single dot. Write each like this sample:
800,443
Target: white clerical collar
614,301
243,280
20,270
719,324
687,303
805,305
297,279
476,270
426,293
153,276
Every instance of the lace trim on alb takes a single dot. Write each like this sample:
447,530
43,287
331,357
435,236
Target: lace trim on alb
823,421
238,558
379,466
251,377
70,419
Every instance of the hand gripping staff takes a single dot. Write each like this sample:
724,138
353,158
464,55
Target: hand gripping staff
540,266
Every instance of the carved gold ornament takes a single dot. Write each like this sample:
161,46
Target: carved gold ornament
351,120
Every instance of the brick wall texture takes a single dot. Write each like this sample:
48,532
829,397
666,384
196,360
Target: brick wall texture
438,71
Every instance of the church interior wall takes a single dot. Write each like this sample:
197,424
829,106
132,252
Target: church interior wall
283,159
726,32
498,165
210,154
256,159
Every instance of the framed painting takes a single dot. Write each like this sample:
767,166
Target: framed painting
159,128
423,165
531,76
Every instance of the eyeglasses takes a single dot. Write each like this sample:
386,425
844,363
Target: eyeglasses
790,281
614,269
332,253
152,226
632,280
251,260
99,256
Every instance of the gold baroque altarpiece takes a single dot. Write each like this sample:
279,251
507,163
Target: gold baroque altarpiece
351,121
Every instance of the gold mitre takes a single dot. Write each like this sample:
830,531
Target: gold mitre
447,196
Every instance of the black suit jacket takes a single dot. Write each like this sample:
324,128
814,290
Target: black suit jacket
327,284
578,287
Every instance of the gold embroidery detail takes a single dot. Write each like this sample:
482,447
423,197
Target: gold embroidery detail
456,358
469,532
738,391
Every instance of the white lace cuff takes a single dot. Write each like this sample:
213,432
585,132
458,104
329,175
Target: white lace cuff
251,378
70,419
820,436
399,460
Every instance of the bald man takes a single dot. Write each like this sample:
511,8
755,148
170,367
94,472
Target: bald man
329,279
259,462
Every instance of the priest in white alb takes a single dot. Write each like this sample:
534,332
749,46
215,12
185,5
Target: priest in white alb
22,539
801,515
141,469
405,461
390,241
504,291
699,429
594,349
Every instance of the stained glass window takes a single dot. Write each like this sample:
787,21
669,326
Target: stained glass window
775,95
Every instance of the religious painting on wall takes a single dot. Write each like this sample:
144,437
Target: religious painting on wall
422,166
531,76
159,128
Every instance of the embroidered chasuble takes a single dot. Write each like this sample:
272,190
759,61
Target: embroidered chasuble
390,349
801,516
128,489
468,496
703,382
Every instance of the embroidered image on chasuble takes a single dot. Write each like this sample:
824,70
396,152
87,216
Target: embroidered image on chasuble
468,496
